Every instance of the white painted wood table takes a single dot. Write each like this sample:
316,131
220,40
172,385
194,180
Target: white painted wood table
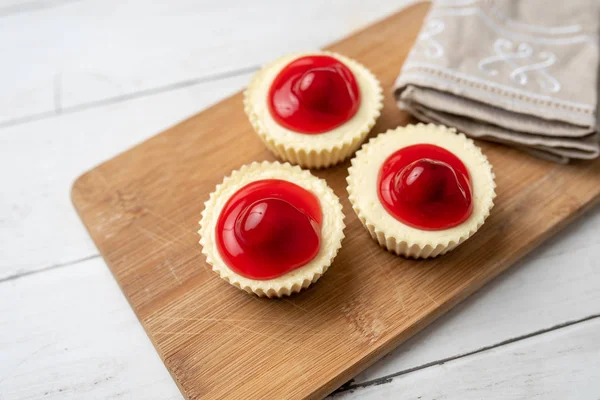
84,80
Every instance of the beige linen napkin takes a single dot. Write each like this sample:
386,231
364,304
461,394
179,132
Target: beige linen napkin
519,72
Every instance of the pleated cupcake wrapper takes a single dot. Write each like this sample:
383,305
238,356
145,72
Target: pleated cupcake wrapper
281,286
311,158
273,292
420,249
410,249
315,157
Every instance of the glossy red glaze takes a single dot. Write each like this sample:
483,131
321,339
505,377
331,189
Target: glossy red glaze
314,94
268,228
426,187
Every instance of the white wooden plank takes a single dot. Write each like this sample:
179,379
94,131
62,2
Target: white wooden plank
79,53
70,334
563,364
40,160
557,284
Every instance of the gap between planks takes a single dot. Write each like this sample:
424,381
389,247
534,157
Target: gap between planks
49,268
388,378
59,110
32,6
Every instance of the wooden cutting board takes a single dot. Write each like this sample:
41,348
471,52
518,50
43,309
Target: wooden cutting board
142,210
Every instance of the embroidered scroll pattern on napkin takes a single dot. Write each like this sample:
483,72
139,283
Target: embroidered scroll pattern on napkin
534,63
432,48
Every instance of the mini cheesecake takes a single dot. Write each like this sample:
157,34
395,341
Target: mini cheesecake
271,229
313,109
421,190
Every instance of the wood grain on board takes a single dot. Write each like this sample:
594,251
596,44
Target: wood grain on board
142,210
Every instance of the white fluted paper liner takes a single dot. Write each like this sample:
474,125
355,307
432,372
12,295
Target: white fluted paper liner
332,228
313,150
391,233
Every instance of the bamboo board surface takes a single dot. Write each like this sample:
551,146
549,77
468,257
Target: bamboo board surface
142,209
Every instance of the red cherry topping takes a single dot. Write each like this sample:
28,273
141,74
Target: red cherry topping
314,94
269,228
426,187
